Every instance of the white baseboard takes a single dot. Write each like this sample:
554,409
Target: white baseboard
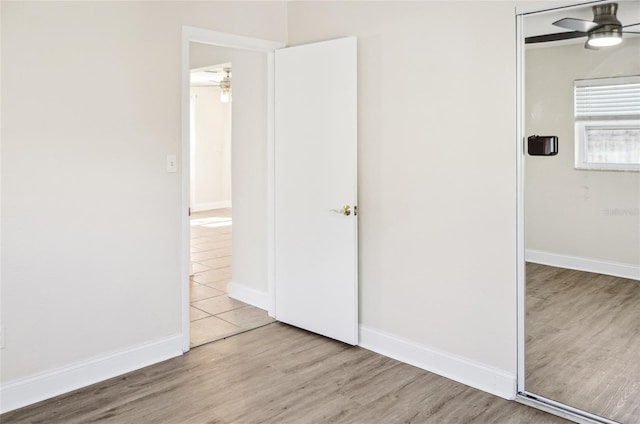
583,264
462,370
29,390
248,295
199,207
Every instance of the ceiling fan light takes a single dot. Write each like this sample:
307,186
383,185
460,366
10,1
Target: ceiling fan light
225,87
604,39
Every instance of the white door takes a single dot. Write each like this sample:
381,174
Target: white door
316,242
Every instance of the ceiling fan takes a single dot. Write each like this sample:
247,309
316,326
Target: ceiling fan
224,84
605,29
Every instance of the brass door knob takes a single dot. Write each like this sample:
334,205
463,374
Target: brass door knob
345,210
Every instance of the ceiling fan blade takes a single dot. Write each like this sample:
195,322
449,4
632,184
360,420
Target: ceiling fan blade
554,37
576,24
630,32
625,26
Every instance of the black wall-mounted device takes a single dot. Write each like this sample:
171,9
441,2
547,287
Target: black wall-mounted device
542,145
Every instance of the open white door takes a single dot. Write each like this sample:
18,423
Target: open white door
316,241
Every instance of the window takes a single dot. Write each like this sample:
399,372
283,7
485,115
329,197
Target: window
607,123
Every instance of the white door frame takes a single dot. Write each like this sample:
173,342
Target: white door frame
204,36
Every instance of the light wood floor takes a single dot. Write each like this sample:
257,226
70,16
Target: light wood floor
583,341
279,374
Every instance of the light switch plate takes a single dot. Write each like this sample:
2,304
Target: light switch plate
171,163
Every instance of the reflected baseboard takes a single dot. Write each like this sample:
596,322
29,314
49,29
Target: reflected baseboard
596,266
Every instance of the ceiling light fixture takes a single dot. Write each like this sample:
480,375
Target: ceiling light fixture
608,31
605,38
225,87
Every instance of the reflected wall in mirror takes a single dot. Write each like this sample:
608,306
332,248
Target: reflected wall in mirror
582,227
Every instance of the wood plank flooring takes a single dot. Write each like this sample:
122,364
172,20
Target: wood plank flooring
583,341
279,374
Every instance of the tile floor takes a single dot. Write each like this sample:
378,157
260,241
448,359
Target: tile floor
214,315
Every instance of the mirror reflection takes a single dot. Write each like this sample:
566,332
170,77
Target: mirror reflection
582,208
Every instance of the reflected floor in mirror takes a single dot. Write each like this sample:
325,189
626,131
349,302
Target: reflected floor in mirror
583,341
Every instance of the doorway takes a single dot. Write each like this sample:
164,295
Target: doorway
213,313
256,175
579,227
203,48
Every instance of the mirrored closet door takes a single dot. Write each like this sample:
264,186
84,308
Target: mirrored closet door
581,202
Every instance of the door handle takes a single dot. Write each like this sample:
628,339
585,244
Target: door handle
346,210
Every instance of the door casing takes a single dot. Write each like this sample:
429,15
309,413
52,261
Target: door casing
204,36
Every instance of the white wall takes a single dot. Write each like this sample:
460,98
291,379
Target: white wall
436,169
211,150
91,106
570,211
91,219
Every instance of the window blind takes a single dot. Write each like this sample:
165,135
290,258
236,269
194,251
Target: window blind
607,98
